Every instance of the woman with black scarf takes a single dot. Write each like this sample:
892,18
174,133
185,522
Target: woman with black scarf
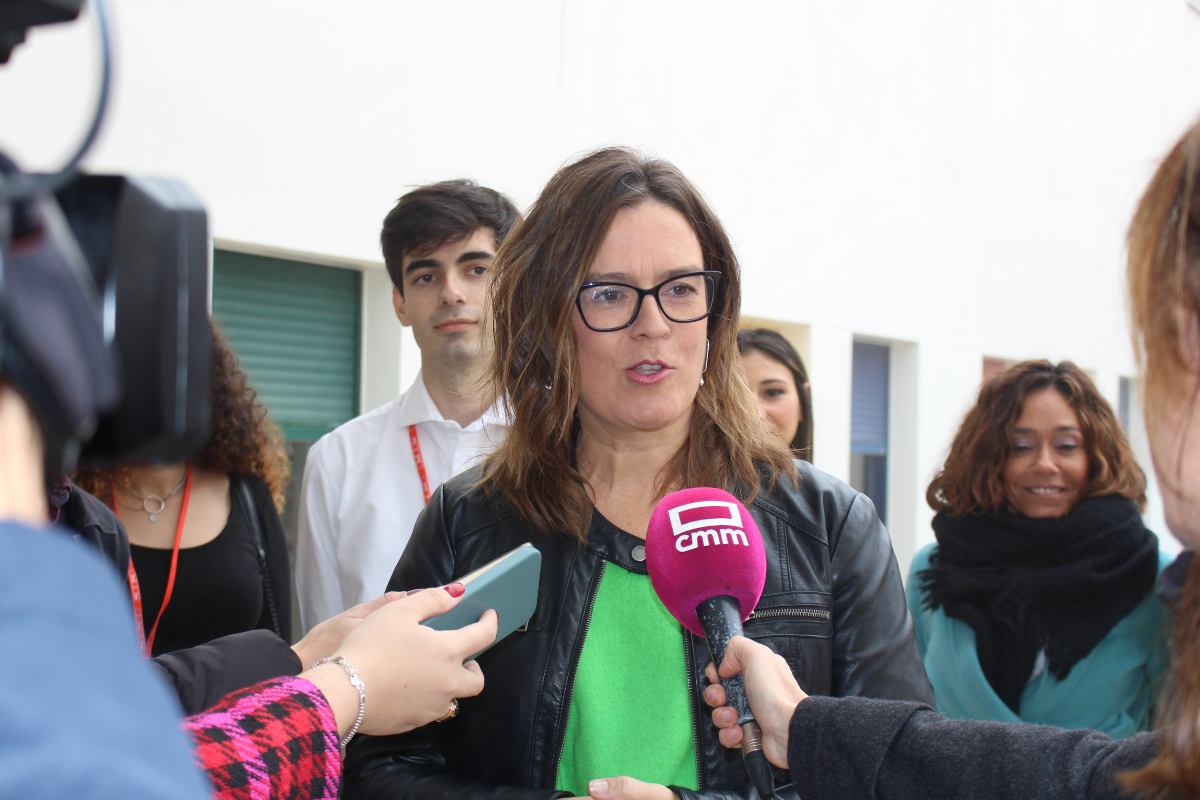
856,747
1037,604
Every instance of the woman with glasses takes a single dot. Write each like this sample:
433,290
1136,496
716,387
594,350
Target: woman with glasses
615,311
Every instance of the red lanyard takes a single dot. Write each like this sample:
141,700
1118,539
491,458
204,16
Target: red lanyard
415,441
135,588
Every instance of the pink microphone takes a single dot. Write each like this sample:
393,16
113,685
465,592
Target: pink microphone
707,564
702,543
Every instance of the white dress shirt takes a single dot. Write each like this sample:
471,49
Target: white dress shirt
362,494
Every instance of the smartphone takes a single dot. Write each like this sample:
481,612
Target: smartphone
509,584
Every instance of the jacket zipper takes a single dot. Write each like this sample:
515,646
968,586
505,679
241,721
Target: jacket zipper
574,666
689,658
792,612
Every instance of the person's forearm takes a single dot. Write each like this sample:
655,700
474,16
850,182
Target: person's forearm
857,747
334,684
204,674
836,745
281,732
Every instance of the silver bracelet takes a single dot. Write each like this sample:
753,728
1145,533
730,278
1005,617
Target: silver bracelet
357,683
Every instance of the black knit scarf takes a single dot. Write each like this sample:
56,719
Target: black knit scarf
1026,585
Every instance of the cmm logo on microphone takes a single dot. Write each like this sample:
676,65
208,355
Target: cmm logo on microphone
706,523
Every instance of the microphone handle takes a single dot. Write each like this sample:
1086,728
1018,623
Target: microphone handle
721,618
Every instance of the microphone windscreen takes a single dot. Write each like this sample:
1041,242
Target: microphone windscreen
703,543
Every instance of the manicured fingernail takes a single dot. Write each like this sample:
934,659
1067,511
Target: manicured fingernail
456,589
597,786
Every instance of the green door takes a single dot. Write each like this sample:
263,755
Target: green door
295,327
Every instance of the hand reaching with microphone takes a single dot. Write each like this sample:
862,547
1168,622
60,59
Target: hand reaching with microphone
771,689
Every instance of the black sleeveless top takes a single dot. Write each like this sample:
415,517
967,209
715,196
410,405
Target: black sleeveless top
218,585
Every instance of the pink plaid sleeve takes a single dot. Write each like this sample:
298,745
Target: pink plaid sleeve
277,738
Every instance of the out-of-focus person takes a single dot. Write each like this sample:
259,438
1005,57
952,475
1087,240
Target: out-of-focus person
366,481
105,727
1037,601
779,380
208,553
615,308
855,748
109,728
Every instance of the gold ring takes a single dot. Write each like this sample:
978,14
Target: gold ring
451,712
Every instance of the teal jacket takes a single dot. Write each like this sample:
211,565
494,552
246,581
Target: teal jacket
1112,689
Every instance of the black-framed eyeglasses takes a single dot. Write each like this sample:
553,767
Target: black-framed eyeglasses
609,306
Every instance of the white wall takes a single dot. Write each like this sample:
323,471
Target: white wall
954,177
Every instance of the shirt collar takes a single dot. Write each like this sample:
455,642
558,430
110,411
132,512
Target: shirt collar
417,406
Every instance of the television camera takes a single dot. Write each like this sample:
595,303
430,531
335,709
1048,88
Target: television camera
103,292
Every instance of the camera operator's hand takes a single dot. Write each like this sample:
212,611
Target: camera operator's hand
771,689
411,672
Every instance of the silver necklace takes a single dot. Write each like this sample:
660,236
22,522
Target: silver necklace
154,504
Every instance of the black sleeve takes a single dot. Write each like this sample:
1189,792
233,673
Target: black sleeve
853,747
278,565
874,646
204,674
746,792
96,523
415,764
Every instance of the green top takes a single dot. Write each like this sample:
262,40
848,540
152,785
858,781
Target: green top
630,712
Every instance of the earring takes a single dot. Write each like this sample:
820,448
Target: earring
704,369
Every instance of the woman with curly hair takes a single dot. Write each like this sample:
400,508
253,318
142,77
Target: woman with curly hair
856,747
1037,601
208,553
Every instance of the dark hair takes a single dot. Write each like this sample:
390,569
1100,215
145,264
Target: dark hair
535,278
772,344
972,479
244,440
430,216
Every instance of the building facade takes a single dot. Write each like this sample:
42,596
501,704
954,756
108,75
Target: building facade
917,191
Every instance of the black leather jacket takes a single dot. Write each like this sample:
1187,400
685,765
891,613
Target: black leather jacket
833,606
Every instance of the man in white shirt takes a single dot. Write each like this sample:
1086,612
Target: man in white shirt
366,482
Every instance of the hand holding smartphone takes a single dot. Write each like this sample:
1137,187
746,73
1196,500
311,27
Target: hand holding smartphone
507,584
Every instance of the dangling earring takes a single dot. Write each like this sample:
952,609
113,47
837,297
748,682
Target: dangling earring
704,369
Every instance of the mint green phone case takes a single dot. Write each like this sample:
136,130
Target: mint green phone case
507,584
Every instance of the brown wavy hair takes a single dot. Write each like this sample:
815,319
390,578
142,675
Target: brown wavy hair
244,439
536,276
972,479
1163,272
